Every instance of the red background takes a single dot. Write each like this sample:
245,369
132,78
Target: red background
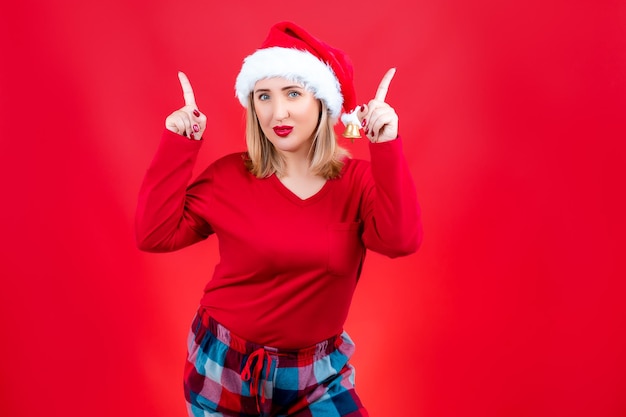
513,117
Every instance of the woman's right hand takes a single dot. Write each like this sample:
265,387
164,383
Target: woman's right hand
187,121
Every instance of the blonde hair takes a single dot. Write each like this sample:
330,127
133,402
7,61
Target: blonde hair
325,156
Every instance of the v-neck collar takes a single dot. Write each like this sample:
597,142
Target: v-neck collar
290,195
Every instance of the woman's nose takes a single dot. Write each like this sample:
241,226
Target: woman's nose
280,109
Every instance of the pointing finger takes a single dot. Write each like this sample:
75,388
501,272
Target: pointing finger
383,87
190,100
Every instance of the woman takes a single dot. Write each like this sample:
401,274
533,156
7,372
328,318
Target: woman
293,216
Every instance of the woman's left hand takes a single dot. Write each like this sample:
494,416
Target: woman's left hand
378,119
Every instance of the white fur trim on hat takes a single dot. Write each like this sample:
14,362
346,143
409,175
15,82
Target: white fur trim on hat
294,65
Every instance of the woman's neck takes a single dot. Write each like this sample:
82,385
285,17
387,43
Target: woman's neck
297,164
298,177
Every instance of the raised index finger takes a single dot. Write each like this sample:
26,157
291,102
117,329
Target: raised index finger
190,99
383,87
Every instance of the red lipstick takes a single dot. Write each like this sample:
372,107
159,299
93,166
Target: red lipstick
282,131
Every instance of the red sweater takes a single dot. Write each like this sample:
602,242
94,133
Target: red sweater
288,267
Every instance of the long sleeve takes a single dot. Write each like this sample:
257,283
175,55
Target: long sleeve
391,210
167,216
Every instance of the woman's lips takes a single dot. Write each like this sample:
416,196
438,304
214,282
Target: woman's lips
282,131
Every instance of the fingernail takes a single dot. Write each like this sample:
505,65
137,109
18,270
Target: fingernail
366,130
191,136
196,113
362,108
196,128
364,122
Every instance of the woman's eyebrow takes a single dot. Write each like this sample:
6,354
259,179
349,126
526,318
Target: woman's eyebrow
289,87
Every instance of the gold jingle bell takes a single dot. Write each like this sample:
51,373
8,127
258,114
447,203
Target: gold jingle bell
352,131
353,125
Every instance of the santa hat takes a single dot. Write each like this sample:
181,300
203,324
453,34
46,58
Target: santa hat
292,53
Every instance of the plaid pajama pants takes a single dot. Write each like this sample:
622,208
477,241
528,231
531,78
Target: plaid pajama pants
226,376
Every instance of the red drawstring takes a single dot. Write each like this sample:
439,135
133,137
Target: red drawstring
258,357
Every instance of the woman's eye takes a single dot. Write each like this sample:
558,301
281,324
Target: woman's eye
294,94
264,97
